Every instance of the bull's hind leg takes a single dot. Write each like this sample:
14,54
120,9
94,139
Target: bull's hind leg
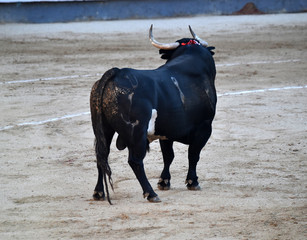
99,191
103,142
137,153
168,156
201,137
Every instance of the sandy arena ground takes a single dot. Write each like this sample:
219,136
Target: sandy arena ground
253,171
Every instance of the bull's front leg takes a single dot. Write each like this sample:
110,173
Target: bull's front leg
136,163
168,156
192,179
200,139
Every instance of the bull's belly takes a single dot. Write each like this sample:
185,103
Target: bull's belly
173,128
176,124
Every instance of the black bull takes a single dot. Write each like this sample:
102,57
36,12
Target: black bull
175,102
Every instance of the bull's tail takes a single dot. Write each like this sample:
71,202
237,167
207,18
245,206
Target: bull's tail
102,148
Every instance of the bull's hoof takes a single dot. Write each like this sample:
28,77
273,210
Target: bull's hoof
193,185
99,196
194,188
152,198
164,184
155,199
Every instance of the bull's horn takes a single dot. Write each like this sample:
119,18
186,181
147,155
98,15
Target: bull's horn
165,46
202,42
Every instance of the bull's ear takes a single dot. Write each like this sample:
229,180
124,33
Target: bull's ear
211,50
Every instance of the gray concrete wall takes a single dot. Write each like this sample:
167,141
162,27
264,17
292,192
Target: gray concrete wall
66,11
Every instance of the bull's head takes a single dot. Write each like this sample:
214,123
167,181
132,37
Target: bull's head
174,45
